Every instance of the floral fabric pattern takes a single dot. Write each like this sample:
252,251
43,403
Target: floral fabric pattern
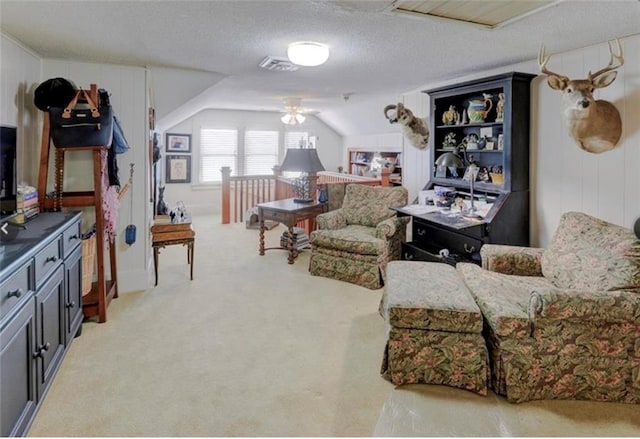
332,220
354,239
436,357
507,259
573,333
355,242
369,205
434,328
363,270
429,295
578,306
502,298
587,253
547,342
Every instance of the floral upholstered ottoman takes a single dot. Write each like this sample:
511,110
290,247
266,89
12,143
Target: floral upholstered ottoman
434,328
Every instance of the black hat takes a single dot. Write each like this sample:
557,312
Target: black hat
54,92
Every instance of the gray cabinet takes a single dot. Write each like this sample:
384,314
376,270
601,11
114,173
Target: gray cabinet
40,313
17,371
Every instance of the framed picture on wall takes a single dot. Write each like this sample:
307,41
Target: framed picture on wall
178,169
178,142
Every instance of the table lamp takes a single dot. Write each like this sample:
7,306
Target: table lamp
306,161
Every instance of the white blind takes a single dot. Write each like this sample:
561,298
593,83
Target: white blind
292,138
218,148
260,152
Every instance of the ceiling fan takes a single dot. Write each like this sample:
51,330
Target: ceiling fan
293,113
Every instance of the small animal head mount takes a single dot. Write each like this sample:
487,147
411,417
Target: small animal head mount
414,128
594,124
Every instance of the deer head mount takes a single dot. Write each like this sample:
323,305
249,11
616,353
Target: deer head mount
414,128
594,124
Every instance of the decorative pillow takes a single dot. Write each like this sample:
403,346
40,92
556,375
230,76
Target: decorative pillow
370,205
591,254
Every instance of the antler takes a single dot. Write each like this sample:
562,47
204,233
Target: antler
613,57
542,63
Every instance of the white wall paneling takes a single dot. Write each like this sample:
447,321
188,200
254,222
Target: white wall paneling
127,87
416,160
563,177
20,75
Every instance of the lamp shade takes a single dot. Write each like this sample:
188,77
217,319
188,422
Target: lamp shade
308,53
449,160
302,160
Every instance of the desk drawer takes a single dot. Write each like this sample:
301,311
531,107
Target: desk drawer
412,251
46,261
71,238
14,291
283,217
173,236
456,243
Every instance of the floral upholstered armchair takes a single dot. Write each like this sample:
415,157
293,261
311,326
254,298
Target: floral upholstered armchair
563,322
355,242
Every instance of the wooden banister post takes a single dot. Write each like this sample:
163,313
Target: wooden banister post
385,177
313,182
226,190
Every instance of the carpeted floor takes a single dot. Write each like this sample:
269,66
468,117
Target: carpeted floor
251,347
256,347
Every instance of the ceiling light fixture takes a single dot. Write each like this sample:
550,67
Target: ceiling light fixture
292,118
308,53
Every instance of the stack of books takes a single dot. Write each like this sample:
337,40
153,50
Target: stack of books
27,206
300,239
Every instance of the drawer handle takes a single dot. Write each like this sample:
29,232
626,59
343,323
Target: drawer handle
51,259
41,350
14,293
73,237
469,249
408,256
71,304
421,232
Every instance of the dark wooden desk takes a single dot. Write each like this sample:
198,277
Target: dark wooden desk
289,213
172,234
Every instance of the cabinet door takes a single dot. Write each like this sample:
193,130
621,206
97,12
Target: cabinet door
17,371
49,348
73,295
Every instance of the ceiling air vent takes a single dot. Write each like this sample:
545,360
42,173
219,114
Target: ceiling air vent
279,65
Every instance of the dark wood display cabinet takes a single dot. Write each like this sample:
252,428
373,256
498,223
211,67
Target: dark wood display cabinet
488,119
40,312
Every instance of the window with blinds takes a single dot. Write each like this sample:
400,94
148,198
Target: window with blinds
218,148
292,138
260,152
256,155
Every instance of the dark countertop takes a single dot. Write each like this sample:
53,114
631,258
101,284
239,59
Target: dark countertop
17,251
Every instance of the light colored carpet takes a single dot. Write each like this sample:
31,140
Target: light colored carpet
256,347
252,346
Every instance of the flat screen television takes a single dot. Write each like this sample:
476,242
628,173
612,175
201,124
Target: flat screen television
8,171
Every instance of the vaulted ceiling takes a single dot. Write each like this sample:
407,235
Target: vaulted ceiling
375,51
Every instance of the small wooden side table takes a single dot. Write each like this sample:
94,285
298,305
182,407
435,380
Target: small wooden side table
172,234
289,213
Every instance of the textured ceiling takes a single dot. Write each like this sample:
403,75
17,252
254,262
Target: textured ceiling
373,51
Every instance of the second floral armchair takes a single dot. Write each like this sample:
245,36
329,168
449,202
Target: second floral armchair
355,242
